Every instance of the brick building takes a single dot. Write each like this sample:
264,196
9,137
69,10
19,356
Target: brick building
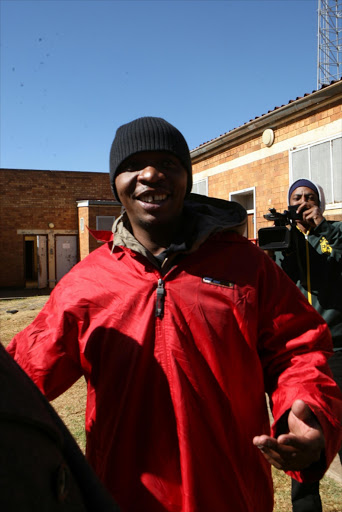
44,214
43,223
255,163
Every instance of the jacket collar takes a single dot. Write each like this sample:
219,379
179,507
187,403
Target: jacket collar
204,217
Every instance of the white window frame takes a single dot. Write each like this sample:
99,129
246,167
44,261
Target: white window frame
331,206
250,211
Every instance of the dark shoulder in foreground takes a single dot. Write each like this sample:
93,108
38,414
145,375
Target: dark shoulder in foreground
42,466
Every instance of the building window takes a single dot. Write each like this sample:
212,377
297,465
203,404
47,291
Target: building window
82,225
200,187
104,222
322,163
246,198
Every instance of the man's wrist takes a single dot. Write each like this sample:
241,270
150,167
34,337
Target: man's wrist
320,222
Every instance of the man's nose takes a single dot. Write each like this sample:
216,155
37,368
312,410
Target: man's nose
150,173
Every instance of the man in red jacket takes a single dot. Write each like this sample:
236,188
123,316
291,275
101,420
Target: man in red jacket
180,326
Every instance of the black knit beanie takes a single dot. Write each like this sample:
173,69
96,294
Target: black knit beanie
148,134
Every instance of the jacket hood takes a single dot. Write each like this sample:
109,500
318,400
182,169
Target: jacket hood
214,215
208,215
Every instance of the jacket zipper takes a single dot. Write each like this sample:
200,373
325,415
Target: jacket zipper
159,311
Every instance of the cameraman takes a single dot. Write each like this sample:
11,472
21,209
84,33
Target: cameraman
313,261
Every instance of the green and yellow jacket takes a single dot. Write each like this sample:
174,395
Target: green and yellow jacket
314,262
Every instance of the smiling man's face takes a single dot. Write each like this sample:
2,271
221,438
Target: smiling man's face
152,185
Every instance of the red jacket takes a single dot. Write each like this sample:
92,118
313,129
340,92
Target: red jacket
176,386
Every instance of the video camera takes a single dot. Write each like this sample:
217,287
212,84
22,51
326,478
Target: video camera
277,237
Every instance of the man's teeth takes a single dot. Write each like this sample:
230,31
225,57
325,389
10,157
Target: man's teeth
154,199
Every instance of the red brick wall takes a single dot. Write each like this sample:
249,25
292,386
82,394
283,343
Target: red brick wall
31,199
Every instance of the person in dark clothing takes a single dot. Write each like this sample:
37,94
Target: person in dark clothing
42,467
313,261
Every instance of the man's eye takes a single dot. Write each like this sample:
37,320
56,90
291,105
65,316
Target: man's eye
129,167
168,163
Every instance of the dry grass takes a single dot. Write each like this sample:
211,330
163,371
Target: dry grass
71,405
330,491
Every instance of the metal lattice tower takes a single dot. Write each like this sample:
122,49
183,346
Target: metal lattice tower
329,58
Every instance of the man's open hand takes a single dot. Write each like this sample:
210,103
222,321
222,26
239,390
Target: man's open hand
300,447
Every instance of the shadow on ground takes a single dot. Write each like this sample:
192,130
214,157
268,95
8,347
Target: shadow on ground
18,293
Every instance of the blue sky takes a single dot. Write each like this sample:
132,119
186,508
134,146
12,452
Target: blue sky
72,71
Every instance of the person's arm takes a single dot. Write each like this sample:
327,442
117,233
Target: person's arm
294,345
47,350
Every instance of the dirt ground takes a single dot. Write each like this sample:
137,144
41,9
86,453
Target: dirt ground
16,314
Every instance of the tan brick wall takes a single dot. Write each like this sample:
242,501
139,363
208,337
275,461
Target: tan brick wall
270,175
83,213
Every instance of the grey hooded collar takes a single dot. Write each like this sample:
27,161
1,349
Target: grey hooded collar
205,216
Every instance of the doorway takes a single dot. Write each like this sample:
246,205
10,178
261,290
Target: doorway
35,261
31,270
66,254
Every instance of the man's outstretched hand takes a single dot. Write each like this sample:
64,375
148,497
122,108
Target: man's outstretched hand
300,447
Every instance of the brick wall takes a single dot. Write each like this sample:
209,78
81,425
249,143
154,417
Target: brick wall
30,200
89,213
269,174
84,235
